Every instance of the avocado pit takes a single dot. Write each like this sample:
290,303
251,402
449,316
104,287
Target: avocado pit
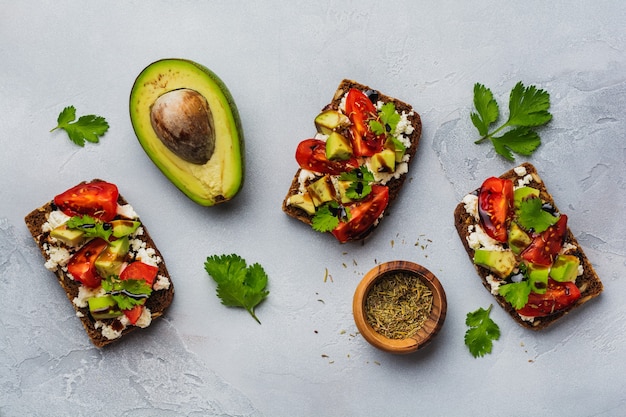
183,121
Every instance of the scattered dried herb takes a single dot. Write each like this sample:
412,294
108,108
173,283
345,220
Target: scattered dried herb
397,305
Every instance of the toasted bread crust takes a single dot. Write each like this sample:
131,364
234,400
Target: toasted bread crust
589,283
394,184
158,301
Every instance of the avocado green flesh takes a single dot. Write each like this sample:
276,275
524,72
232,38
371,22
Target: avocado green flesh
219,179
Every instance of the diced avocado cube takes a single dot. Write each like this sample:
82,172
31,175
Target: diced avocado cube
304,202
538,277
110,261
383,161
518,239
321,191
71,237
342,187
397,146
522,193
501,263
338,147
104,307
329,120
565,268
122,227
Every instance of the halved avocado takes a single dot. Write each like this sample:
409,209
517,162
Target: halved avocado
187,122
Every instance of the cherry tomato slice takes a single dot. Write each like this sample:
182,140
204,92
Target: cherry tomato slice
82,264
97,199
558,296
363,214
140,270
311,155
134,313
495,202
360,111
546,245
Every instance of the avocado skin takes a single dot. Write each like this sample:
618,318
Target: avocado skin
222,177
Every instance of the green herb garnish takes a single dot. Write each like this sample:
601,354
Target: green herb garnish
516,293
86,128
90,226
531,216
327,217
237,284
528,108
387,121
481,333
361,180
127,293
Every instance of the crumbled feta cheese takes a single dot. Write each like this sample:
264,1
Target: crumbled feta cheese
470,202
524,181
494,283
162,283
477,238
85,294
57,256
108,331
145,319
127,211
526,318
384,177
304,176
520,170
79,314
143,253
56,218
567,247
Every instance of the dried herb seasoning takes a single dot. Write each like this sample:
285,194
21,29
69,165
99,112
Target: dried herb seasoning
398,305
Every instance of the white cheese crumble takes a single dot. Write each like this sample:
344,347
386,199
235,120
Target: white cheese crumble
470,202
526,318
304,176
108,331
57,256
145,319
477,238
494,283
56,218
85,294
127,211
143,253
162,283
524,181
520,170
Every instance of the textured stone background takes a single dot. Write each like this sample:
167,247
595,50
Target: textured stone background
282,62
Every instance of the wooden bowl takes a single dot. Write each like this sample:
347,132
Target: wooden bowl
428,330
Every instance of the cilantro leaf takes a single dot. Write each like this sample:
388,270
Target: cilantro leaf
486,107
481,333
327,217
86,128
89,226
388,119
237,284
516,293
127,293
361,180
528,108
530,215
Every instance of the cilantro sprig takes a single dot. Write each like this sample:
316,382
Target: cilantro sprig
361,180
531,215
87,128
387,121
238,285
89,226
481,333
127,293
328,216
528,108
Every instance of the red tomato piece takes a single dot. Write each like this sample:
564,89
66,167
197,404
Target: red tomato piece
311,155
360,111
134,313
97,199
558,296
495,203
82,264
546,246
363,214
140,270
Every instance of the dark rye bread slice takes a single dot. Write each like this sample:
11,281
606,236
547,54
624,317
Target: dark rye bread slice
395,184
589,283
158,301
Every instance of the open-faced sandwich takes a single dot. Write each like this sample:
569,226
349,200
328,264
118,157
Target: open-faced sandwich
104,258
523,249
356,164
